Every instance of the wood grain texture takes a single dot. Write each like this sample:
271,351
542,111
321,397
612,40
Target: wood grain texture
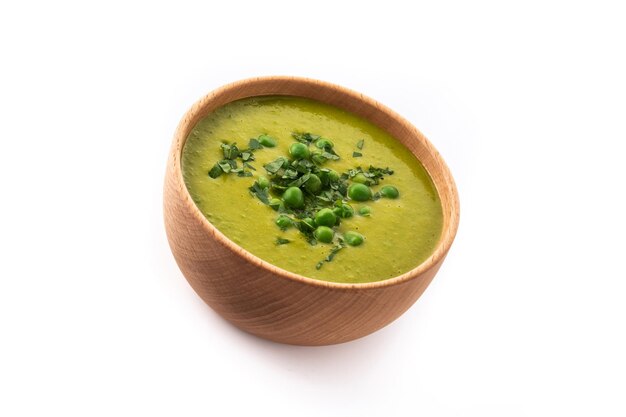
268,301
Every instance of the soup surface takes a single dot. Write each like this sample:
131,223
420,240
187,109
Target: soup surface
399,233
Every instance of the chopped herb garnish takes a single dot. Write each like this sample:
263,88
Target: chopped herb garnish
227,165
254,145
275,203
330,156
216,171
338,246
290,173
359,145
301,180
275,166
370,177
306,138
231,153
377,174
305,194
260,193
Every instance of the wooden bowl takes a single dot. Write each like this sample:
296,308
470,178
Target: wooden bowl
270,302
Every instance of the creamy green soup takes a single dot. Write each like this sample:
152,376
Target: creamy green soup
398,233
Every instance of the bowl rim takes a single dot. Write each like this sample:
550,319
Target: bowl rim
191,117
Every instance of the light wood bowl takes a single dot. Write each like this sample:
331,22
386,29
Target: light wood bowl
270,302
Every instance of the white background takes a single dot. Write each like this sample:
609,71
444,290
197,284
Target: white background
526,102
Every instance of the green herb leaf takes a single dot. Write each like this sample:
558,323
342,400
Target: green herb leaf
356,154
330,156
227,165
303,166
376,174
230,151
260,193
254,144
290,173
216,171
318,159
300,180
278,188
306,138
275,204
281,241
276,165
360,144
333,252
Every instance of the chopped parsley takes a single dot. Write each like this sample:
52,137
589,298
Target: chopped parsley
317,186
338,246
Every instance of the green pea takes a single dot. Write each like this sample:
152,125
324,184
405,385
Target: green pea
345,211
324,234
307,223
359,192
293,197
365,211
360,178
275,203
325,217
324,143
299,150
353,238
328,176
267,141
333,176
263,182
313,184
284,222
389,191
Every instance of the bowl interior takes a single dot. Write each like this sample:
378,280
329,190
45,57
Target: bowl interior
353,102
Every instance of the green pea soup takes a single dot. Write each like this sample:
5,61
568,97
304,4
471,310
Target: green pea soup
398,233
